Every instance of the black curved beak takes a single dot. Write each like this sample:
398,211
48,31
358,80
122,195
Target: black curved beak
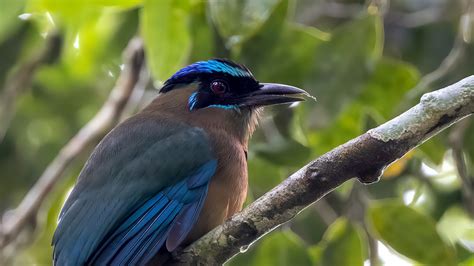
272,93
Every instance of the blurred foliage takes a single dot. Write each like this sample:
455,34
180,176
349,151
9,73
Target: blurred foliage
408,232
342,244
164,56
359,64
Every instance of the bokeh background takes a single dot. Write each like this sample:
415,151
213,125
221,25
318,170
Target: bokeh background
364,61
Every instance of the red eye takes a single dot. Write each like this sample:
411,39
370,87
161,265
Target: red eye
218,87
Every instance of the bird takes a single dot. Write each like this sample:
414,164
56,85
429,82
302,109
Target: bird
169,174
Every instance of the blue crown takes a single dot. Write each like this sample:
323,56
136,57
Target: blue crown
214,66
189,73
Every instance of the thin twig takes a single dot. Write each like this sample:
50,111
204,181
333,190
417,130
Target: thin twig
451,60
319,9
329,9
21,78
448,64
374,258
363,197
107,117
456,140
364,157
325,211
416,19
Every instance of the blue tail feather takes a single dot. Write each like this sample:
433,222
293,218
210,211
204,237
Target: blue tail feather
167,217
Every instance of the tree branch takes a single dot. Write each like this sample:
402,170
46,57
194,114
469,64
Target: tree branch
364,157
21,78
458,50
107,117
416,19
456,141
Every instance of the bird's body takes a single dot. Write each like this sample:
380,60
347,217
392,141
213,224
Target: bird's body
167,175
228,137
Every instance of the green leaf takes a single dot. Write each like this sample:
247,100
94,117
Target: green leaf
469,138
464,254
282,248
342,244
344,63
71,7
387,86
277,248
284,46
236,21
9,21
73,13
166,36
456,226
287,56
83,23
346,79
114,3
309,225
344,190
287,152
82,52
384,89
410,233
435,148
202,35
12,52
263,175
348,125
467,262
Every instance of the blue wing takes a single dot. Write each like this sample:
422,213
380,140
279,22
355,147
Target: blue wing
168,216
144,185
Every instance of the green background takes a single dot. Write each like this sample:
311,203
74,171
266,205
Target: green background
361,60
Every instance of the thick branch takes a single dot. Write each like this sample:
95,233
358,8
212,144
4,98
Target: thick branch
107,117
364,157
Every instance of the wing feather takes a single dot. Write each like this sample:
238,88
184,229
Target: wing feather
128,183
168,216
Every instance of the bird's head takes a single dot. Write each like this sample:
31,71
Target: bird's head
221,92
226,85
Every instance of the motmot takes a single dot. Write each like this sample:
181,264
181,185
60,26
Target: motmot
169,174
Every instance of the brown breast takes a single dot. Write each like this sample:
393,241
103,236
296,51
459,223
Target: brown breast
228,188
229,132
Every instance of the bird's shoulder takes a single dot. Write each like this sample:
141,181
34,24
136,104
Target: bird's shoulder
139,158
146,140
144,153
